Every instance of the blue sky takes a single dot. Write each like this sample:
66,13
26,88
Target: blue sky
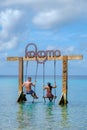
59,24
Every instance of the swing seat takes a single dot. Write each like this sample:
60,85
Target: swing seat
32,95
54,97
50,98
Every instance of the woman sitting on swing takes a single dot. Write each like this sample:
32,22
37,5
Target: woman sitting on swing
49,94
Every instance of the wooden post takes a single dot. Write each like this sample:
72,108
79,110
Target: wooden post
20,74
22,96
63,100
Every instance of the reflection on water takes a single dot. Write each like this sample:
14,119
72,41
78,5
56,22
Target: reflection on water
57,118
25,115
49,116
49,109
64,117
40,116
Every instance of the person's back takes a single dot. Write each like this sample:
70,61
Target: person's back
49,90
28,84
49,94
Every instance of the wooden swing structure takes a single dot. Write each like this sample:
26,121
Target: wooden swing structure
41,56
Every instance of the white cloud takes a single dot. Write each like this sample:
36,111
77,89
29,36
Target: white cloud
56,17
50,13
12,2
50,47
46,19
10,44
9,20
68,50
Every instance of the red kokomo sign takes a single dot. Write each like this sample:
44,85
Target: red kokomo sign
40,56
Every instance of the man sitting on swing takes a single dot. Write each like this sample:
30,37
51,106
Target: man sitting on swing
49,94
28,84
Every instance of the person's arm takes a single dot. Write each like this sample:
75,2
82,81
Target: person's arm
54,86
23,84
45,87
33,84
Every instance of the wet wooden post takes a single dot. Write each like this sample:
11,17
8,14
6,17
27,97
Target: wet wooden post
22,96
20,74
63,100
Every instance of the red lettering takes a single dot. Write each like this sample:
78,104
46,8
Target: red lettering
41,56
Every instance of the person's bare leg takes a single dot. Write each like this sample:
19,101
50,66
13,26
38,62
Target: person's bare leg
34,96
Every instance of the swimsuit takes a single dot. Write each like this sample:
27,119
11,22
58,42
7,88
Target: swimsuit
49,94
30,92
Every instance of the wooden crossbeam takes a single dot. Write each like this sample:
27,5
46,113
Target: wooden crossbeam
72,57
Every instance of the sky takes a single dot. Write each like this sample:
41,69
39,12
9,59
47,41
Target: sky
59,24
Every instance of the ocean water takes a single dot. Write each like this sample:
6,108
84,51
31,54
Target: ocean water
40,115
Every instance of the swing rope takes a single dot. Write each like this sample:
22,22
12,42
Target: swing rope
43,78
55,76
26,71
36,76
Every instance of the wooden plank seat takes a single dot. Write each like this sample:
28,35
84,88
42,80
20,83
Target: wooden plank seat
54,97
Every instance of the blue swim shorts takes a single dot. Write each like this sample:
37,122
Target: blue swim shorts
30,92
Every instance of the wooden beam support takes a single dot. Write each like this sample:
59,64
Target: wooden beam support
12,58
63,100
20,74
73,57
21,95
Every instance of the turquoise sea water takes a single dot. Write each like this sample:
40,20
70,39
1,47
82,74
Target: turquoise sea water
40,115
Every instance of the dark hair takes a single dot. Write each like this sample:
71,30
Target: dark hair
29,78
49,84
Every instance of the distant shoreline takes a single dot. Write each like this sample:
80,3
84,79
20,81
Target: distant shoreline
57,76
